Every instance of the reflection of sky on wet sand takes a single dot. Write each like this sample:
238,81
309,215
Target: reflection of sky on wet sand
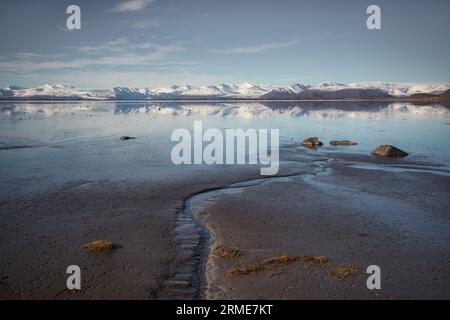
80,140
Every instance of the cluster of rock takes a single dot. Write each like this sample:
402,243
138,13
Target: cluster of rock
382,151
314,142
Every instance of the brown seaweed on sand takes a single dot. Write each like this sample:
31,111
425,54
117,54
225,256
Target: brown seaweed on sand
99,246
316,260
345,271
279,261
228,252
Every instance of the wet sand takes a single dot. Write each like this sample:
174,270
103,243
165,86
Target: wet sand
354,217
323,206
43,233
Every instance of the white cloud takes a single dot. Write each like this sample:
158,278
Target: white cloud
146,24
116,45
132,5
262,47
118,52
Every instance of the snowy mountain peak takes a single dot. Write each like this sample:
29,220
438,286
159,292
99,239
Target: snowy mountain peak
324,90
327,84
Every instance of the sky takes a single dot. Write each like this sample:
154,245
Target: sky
153,43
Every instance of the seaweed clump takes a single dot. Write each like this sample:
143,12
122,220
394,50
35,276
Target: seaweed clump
277,262
228,252
99,246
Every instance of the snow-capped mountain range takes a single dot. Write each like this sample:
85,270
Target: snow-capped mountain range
325,90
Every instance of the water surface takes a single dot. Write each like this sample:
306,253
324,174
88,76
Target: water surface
47,143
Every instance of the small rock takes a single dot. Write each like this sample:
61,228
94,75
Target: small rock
312,142
124,138
389,151
343,143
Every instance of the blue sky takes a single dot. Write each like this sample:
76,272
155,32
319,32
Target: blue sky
145,43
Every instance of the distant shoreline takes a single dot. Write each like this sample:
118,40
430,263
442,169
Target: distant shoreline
429,100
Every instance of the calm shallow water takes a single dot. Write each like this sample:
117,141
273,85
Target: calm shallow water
46,143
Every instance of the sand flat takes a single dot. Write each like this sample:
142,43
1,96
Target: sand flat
43,233
77,182
354,217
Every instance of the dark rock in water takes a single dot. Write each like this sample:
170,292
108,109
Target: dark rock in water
312,142
343,143
124,138
389,151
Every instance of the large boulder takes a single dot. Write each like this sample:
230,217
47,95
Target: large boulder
389,151
343,143
312,142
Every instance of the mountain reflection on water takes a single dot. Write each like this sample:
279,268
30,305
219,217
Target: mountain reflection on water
321,109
